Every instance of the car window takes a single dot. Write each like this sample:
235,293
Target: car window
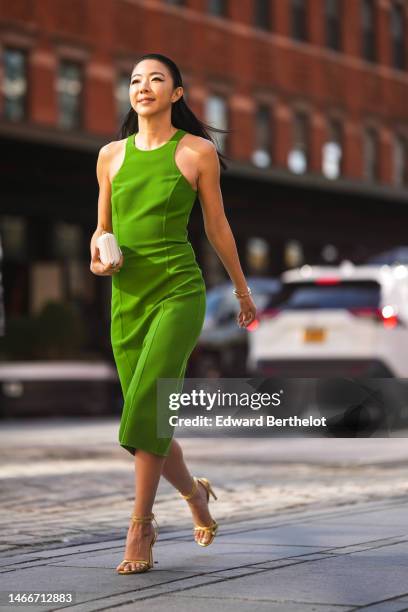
346,294
222,303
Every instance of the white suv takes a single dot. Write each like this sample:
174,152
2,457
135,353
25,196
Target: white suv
346,320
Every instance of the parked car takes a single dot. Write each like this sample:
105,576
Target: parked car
343,320
222,346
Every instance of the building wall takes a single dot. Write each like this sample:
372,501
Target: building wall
52,184
226,56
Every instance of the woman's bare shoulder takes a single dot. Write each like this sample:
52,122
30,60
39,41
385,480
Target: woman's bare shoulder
110,149
199,144
109,158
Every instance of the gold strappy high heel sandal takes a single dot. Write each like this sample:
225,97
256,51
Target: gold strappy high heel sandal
146,564
212,529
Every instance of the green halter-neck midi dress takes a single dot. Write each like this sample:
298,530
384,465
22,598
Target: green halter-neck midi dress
158,297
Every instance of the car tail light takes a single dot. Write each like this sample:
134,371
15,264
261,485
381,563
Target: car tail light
327,280
385,315
253,325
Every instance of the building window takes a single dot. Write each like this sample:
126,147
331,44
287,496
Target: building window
333,24
15,84
333,150
13,230
298,10
398,35
401,160
258,258
261,157
262,16
368,30
122,96
216,115
69,88
299,154
370,153
67,240
217,7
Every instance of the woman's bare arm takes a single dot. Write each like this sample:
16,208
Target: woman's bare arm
104,223
216,224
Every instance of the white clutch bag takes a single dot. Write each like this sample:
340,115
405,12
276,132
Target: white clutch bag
109,250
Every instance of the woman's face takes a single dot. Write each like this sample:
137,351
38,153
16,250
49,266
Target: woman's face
152,79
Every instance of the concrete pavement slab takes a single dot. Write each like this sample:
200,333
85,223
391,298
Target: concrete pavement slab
330,581
387,606
397,517
308,534
177,603
293,522
93,586
287,576
61,490
182,555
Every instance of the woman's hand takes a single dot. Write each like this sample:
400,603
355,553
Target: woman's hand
100,269
247,311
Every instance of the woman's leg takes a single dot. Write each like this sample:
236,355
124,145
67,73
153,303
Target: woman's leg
148,469
176,472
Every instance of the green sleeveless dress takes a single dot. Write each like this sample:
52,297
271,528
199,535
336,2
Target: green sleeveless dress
159,296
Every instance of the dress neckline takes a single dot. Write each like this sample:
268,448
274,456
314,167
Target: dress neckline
157,148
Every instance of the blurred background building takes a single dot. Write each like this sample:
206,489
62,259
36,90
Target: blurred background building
313,92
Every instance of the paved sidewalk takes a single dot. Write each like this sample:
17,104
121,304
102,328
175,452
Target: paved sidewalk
350,558
305,524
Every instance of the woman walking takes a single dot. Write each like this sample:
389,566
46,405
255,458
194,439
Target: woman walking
148,183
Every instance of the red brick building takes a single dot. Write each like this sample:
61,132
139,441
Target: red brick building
313,92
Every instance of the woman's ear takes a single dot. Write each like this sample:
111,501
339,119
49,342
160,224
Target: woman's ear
179,94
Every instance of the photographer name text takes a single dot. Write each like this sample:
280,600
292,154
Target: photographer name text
259,421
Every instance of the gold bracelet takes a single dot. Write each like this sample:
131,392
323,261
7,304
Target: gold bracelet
239,294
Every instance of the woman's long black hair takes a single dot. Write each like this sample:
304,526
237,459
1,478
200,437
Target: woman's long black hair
182,116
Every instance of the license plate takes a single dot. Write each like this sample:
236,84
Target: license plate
314,334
